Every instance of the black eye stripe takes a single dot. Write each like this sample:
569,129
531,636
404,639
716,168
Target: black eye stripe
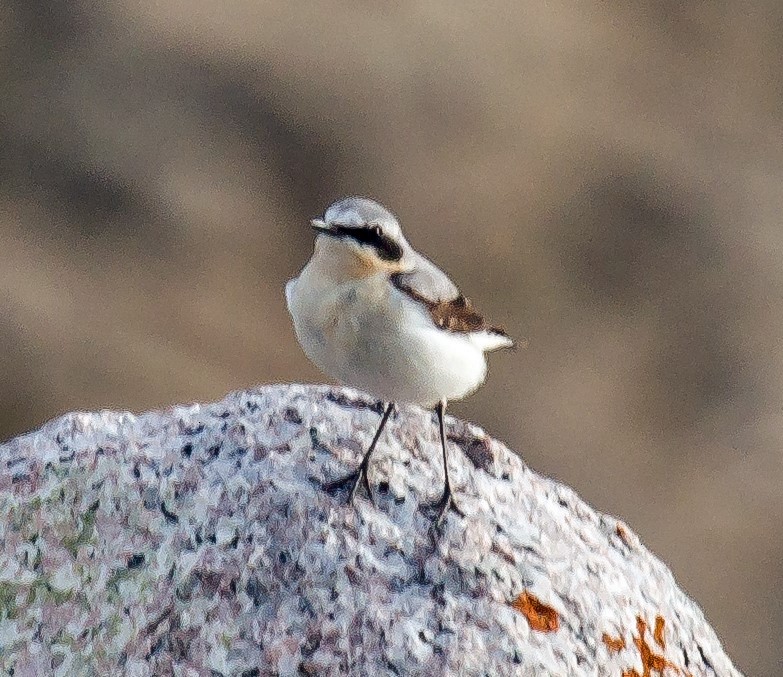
365,235
387,248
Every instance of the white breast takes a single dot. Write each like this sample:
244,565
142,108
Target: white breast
315,310
366,333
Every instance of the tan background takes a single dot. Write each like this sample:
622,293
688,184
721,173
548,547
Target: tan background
605,181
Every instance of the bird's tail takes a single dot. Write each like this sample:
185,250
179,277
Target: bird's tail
491,340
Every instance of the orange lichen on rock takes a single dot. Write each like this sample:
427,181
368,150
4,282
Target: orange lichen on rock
651,662
540,616
658,634
614,644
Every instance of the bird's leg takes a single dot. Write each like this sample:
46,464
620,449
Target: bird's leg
361,473
446,501
360,476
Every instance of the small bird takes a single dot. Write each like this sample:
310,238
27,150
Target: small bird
373,313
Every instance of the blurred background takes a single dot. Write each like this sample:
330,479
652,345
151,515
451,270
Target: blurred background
604,179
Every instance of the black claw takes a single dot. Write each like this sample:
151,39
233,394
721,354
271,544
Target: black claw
366,482
443,506
360,476
350,482
338,486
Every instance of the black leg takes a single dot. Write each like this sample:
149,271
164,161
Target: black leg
446,501
360,476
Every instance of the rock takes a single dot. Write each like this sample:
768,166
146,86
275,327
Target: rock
200,540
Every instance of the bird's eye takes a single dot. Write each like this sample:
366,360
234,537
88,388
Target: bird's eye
376,230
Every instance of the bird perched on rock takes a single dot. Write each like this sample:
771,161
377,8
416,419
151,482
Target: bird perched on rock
371,312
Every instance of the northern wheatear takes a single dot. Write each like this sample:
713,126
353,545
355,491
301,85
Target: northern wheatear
373,313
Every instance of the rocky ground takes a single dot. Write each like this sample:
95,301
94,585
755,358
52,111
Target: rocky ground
202,540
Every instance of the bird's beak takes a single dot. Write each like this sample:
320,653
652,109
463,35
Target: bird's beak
321,228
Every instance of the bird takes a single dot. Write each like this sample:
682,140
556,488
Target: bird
372,313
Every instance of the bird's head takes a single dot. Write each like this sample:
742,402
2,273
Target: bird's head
361,235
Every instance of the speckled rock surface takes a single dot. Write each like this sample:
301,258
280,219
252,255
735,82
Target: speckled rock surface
200,541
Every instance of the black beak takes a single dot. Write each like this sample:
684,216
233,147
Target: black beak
322,229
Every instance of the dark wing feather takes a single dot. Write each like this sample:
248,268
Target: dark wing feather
448,308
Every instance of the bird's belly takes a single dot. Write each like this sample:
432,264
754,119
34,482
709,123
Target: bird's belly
388,350
404,359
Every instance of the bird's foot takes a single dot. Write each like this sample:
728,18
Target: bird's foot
352,483
442,507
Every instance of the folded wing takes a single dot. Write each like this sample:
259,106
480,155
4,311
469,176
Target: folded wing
448,308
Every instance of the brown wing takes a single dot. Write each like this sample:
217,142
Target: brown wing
455,314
